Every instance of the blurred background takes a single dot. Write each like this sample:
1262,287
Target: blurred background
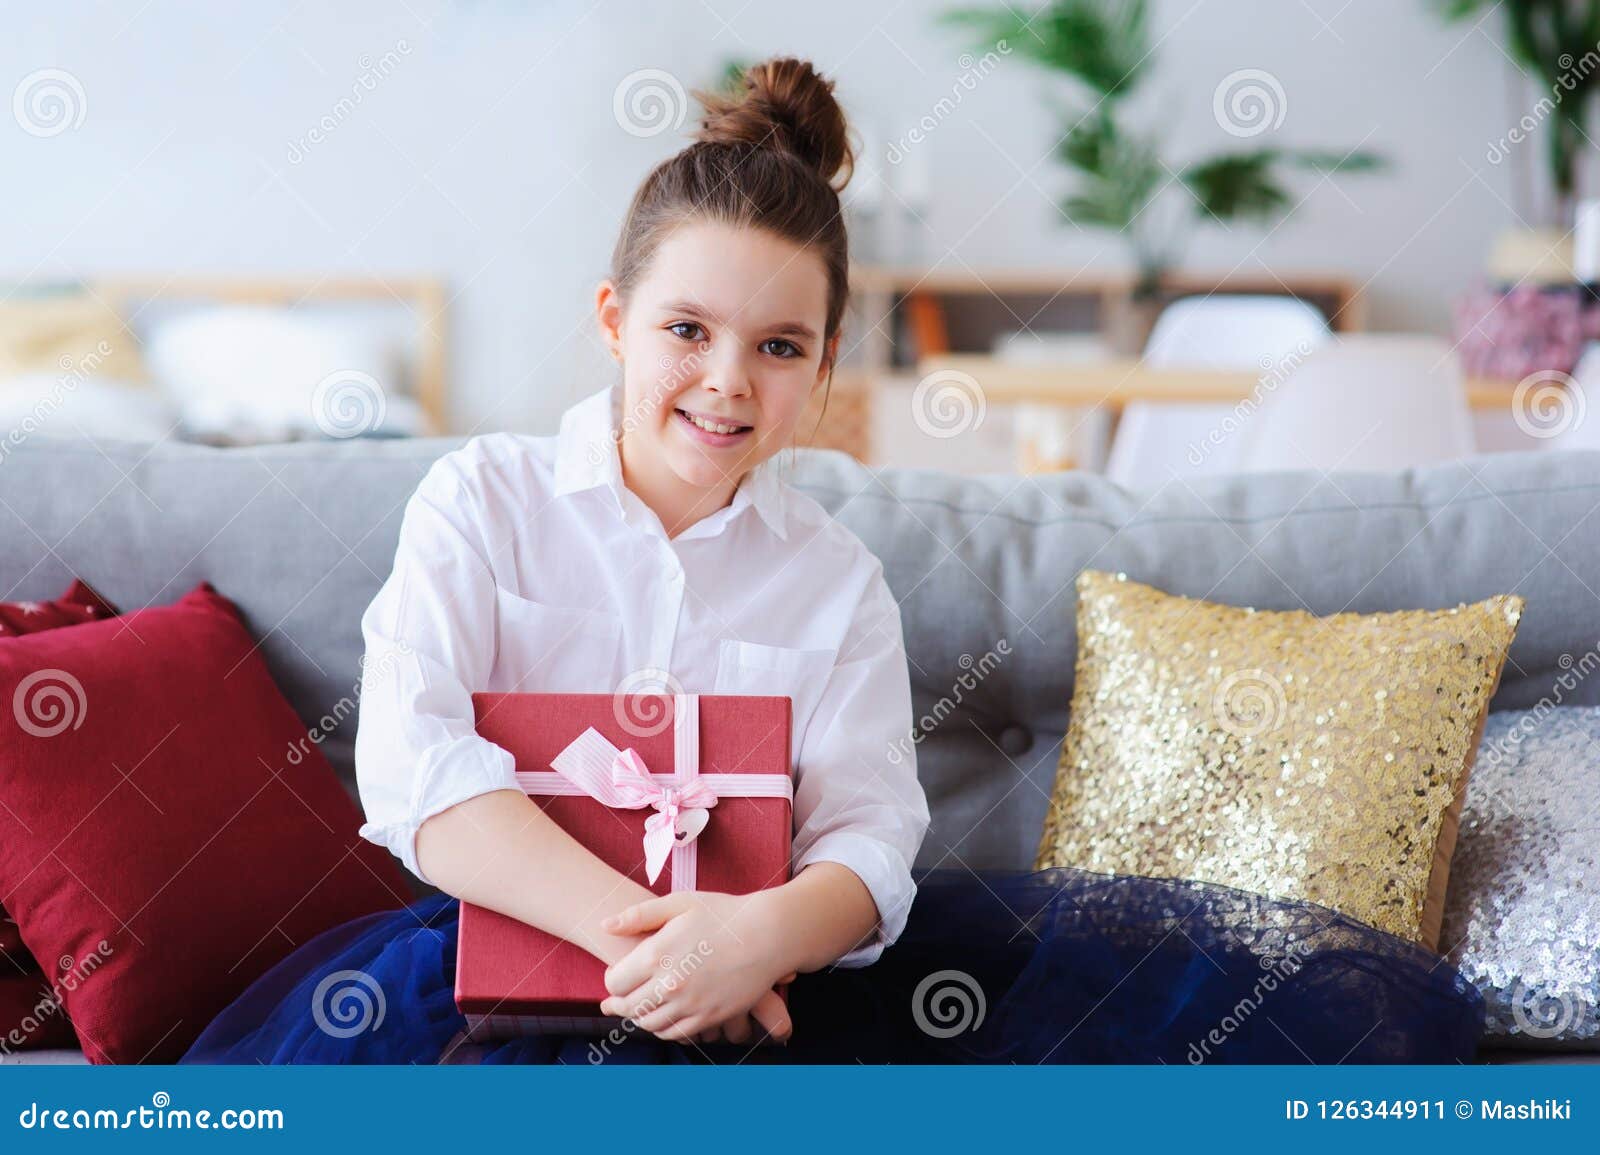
1157,239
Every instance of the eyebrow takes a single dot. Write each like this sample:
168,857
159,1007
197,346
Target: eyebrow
782,329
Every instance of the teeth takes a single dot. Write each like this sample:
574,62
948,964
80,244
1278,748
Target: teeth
712,427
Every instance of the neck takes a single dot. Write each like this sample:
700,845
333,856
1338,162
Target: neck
677,503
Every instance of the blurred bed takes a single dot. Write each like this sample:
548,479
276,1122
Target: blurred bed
224,360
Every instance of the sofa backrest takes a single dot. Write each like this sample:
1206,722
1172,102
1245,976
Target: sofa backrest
300,536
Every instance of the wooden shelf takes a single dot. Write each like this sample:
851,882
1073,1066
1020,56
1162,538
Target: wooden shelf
901,315
882,278
911,320
1114,383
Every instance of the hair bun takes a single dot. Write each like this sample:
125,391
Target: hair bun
784,104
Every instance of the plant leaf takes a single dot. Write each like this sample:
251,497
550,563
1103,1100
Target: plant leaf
1118,174
1462,9
1357,161
1237,186
1105,44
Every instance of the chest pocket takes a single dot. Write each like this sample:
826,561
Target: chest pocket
799,675
553,649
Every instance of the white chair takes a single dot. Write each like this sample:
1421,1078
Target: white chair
1155,441
1573,417
1364,403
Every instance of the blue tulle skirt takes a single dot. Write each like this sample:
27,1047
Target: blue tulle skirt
1058,966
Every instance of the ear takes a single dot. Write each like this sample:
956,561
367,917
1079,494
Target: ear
608,314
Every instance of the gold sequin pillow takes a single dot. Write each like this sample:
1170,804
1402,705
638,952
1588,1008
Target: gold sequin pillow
1322,759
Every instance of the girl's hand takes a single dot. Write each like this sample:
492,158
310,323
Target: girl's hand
709,958
741,1028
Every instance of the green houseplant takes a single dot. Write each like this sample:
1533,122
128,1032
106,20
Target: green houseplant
1104,47
1556,42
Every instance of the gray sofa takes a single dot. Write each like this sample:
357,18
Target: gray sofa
300,537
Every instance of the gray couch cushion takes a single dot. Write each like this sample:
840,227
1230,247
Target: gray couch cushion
300,536
974,561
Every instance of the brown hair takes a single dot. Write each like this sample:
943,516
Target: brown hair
773,156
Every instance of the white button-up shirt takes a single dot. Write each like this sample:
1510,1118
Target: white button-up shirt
525,564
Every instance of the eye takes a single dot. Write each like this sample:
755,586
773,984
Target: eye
688,330
778,347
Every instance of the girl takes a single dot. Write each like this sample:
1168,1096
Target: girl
653,534
652,543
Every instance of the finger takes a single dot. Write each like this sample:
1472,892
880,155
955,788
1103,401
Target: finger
624,1008
657,990
644,917
655,1019
713,1035
738,1029
684,1031
645,963
637,1003
665,1018
770,1012
788,978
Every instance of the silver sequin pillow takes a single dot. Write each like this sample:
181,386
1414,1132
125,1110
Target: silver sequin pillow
1522,914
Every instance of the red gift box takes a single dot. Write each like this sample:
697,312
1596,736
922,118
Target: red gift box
512,978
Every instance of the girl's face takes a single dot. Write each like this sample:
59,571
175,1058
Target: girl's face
721,344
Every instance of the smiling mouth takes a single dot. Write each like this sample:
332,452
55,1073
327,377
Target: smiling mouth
713,426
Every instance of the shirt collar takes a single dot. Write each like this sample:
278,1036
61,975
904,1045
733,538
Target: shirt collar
587,457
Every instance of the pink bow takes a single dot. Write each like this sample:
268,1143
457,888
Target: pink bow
591,765
680,810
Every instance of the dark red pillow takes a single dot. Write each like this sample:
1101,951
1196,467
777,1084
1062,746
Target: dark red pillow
20,978
78,605
31,1017
166,824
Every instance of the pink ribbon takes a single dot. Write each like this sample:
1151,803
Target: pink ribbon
592,766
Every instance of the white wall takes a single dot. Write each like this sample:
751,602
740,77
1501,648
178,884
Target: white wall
490,154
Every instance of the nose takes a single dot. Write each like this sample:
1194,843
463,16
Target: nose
724,373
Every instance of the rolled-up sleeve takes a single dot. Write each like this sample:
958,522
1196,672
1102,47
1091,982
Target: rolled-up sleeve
430,641
857,798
